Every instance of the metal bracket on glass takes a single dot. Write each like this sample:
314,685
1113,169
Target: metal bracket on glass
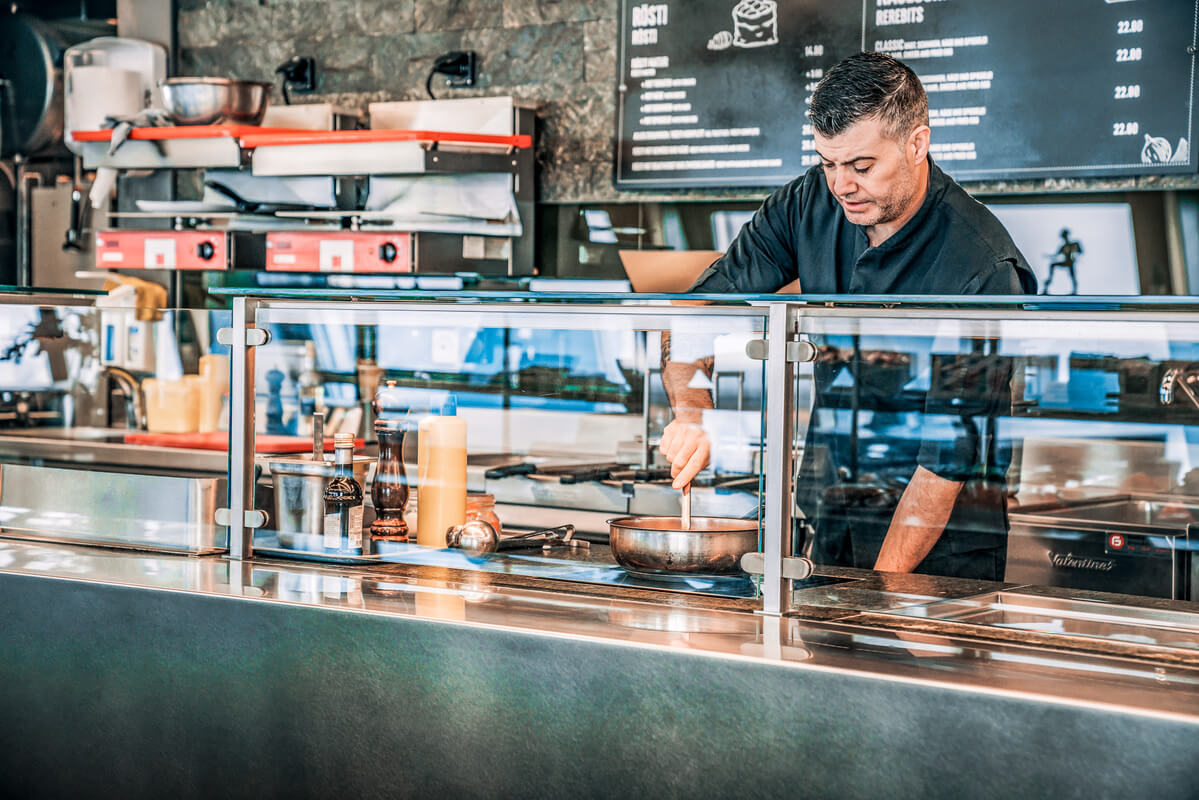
253,518
255,337
798,352
796,569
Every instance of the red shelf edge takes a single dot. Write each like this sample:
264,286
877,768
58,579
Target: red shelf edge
250,136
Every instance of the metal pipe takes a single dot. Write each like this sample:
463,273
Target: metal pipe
25,183
779,401
647,453
134,403
241,430
1174,248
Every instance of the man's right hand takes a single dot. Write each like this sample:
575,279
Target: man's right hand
686,447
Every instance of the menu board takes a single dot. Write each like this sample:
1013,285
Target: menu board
713,93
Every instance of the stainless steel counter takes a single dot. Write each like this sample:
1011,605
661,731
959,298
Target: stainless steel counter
196,676
102,447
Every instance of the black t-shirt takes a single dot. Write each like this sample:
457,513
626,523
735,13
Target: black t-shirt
953,245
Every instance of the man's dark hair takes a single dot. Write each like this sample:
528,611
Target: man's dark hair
869,86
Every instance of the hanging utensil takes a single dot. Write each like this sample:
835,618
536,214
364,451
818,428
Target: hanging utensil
686,508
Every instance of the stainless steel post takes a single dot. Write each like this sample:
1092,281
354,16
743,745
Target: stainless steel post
241,429
779,403
26,183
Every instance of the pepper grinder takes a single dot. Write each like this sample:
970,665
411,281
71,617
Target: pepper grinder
389,493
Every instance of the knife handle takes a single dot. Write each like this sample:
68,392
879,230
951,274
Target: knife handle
508,471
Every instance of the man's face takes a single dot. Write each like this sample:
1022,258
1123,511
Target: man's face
874,177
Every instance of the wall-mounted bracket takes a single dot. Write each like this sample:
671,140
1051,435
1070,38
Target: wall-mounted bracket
253,518
798,352
255,337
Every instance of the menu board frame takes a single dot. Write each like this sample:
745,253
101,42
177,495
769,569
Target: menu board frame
780,163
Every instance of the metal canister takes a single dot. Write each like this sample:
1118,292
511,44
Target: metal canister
299,493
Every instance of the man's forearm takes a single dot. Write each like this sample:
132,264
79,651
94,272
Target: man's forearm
918,522
687,401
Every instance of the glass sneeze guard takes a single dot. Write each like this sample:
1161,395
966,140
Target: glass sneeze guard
562,406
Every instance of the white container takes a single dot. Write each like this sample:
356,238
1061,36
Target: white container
116,76
173,406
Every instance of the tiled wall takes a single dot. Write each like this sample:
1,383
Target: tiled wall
558,54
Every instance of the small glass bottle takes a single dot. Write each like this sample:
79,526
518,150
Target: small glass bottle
343,499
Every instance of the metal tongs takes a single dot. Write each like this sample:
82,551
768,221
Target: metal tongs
479,537
1177,378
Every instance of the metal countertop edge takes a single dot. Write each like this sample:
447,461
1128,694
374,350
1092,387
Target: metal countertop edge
701,652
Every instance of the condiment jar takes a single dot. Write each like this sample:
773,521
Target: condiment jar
481,505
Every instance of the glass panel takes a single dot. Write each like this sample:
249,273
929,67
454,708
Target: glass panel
112,424
558,411
1053,448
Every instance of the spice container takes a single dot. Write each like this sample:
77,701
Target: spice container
479,505
389,492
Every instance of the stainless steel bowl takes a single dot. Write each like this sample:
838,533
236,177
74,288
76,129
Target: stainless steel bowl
209,101
712,546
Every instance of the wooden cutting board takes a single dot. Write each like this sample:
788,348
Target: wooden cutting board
219,440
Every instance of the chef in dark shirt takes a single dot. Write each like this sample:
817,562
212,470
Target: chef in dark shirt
877,216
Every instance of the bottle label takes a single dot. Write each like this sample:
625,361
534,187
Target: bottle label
355,535
333,532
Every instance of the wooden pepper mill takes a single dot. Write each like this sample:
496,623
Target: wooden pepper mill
389,493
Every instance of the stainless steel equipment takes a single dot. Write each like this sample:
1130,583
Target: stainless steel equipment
117,509
1128,544
299,484
208,101
1066,617
31,89
712,545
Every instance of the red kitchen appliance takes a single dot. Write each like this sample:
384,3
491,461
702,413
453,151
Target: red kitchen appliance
189,249
338,251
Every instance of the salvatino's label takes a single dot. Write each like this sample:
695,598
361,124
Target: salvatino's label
332,531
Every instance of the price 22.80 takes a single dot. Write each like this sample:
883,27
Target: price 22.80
1128,54
1126,128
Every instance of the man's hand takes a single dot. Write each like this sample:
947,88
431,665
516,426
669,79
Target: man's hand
686,447
684,442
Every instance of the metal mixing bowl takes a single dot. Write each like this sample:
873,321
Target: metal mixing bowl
712,546
209,101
